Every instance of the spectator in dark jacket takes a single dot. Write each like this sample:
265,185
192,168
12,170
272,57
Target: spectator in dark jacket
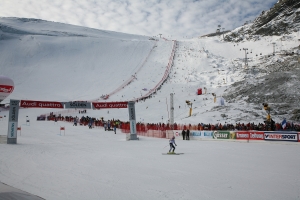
183,134
187,134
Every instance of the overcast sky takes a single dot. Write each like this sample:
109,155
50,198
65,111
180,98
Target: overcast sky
176,18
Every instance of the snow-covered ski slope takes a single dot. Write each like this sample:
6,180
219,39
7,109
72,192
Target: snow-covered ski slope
57,61
60,62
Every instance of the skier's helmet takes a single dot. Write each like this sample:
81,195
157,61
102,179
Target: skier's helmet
173,137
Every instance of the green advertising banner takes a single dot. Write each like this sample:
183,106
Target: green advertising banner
221,135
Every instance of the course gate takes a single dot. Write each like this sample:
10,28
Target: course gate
14,112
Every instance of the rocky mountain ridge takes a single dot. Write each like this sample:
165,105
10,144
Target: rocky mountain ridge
275,79
282,18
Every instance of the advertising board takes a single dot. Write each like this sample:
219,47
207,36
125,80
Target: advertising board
101,105
201,134
13,122
41,104
221,134
281,136
249,135
78,104
132,120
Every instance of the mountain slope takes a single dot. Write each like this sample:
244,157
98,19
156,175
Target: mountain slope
274,74
58,62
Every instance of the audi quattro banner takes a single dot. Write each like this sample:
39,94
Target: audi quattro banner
101,105
41,104
249,135
282,136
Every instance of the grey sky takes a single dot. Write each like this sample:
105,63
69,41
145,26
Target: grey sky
176,18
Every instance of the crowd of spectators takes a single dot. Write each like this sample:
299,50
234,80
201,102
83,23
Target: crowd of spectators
219,126
85,120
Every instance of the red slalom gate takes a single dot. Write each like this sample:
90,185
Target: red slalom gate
62,129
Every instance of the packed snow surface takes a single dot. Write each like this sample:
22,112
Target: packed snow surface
83,163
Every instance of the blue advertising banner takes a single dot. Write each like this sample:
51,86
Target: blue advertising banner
201,134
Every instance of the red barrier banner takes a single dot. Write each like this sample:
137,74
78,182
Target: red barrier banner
100,105
298,137
41,104
242,135
257,136
249,135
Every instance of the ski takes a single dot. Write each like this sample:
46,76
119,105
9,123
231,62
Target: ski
172,153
